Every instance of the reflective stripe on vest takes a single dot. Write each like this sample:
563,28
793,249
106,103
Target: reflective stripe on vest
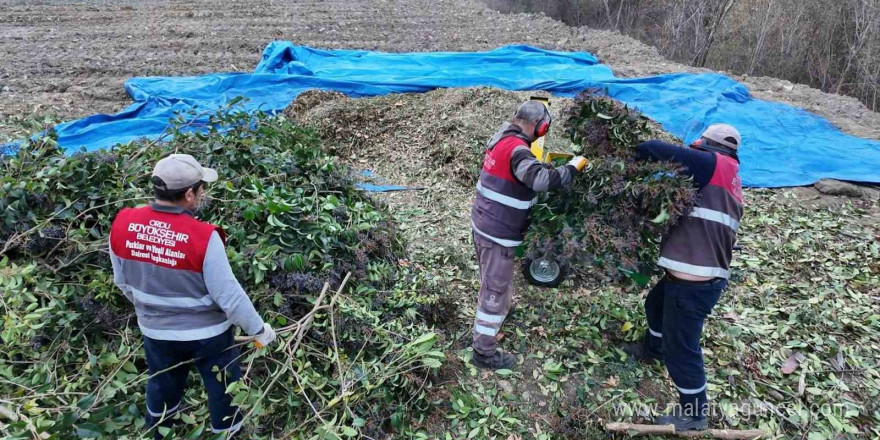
161,253
502,204
700,271
701,245
503,199
501,241
186,335
715,216
170,301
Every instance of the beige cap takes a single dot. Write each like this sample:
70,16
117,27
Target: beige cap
723,134
180,171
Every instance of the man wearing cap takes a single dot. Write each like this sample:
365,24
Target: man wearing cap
695,255
508,186
174,269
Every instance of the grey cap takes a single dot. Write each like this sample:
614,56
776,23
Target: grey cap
180,171
724,134
532,111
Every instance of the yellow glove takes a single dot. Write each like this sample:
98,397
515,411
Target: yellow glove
579,162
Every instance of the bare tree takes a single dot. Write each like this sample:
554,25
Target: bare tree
830,44
863,19
607,12
766,24
719,12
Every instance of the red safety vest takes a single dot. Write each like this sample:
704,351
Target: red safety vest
172,241
502,206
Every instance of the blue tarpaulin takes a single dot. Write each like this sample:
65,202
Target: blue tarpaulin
379,184
782,145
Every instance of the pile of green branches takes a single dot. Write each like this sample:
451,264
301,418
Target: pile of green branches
70,359
612,215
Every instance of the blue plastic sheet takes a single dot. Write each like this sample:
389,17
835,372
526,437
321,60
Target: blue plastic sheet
379,185
369,187
782,145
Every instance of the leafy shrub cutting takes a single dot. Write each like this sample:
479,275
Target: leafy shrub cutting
71,364
612,215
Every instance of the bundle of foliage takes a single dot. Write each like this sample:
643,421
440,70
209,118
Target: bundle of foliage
612,215
71,364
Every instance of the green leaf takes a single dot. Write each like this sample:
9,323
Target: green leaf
88,430
432,363
129,367
86,402
640,279
250,213
424,343
188,419
662,217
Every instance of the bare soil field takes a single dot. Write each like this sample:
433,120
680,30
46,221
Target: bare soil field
71,58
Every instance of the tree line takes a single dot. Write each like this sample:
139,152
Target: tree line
833,45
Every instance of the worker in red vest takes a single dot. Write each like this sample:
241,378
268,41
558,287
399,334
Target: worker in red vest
174,269
695,256
508,186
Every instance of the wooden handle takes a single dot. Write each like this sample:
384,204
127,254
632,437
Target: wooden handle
249,339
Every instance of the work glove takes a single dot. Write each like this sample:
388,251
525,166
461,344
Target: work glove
265,337
579,162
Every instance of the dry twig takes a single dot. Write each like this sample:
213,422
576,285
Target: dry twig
669,430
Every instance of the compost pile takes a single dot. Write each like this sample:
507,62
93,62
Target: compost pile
612,215
71,364
435,136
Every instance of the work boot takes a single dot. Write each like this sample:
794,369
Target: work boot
637,351
498,361
682,422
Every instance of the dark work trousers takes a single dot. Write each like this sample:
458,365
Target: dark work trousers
165,390
496,292
676,310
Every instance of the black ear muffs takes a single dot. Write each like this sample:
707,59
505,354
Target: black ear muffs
543,126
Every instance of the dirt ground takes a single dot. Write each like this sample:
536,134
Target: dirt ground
71,58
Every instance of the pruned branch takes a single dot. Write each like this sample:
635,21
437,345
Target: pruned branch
635,430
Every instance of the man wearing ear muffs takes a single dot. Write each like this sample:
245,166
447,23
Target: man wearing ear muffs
695,255
508,186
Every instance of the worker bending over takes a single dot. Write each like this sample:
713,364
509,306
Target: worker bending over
174,269
508,186
696,256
